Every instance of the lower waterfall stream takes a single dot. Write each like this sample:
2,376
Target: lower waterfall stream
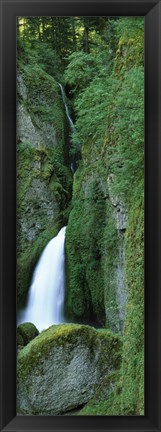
46,293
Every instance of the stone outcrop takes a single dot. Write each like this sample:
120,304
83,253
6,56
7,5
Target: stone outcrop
26,131
44,181
120,213
96,286
61,368
25,333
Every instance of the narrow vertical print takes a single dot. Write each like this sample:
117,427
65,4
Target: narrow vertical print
80,216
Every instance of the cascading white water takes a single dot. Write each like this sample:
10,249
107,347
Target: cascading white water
73,129
46,293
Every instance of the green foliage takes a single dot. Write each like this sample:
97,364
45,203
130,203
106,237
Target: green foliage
51,40
130,53
81,69
127,156
92,108
42,55
98,85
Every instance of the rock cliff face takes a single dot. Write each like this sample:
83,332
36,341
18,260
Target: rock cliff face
96,287
61,368
44,180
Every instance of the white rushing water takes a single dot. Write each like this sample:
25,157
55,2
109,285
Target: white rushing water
46,293
66,109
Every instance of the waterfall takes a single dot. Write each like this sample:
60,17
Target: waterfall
77,151
66,109
46,293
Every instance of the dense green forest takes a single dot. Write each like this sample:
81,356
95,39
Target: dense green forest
89,177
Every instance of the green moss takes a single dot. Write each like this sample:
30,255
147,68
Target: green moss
20,340
133,352
127,396
110,244
130,47
46,165
25,333
46,106
63,334
98,405
91,249
85,289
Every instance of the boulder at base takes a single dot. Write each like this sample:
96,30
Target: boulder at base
61,368
25,333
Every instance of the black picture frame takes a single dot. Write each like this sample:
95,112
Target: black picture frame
151,10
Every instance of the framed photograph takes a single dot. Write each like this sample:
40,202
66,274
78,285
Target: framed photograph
80,215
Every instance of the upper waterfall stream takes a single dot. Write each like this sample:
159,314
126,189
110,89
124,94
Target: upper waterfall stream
67,110
46,293
77,156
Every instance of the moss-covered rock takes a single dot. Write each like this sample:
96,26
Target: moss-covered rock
85,290
25,333
95,290
43,190
98,404
20,341
62,367
40,113
132,379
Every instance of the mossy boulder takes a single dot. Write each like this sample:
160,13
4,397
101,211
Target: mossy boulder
25,333
62,367
20,341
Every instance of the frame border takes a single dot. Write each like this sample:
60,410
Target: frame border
151,10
